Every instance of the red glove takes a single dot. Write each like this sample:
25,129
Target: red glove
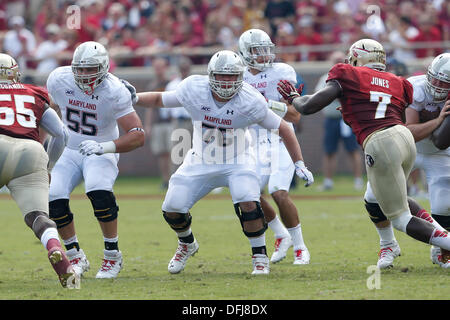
288,91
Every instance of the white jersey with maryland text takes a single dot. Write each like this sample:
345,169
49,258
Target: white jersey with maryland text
220,130
89,117
266,82
423,101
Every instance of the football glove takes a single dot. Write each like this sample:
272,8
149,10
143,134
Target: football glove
89,147
132,89
303,173
288,91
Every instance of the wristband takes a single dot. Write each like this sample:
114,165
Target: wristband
280,108
108,147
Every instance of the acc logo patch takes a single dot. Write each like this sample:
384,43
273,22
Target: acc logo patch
369,160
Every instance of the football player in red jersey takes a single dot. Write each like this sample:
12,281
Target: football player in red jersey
373,104
24,164
425,119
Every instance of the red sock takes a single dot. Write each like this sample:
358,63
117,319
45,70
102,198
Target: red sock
53,243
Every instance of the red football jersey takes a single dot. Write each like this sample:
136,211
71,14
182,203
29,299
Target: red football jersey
371,99
21,109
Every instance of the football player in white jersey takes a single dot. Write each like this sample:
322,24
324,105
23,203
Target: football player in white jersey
93,104
423,117
257,52
222,106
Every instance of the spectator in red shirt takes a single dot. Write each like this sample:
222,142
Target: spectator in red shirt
428,32
307,36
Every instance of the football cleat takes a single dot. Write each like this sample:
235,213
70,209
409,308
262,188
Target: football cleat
445,259
387,254
184,251
111,265
437,257
281,247
66,274
260,264
78,260
301,256
435,254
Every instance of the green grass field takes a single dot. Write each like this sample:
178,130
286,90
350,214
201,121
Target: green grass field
340,237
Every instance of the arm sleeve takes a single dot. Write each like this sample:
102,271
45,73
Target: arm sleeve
271,121
170,100
54,126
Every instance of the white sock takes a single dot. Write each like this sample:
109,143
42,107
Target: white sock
440,239
297,237
278,228
49,233
70,240
258,241
115,239
386,235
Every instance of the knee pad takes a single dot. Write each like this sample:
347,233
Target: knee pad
375,212
444,221
38,221
59,212
181,222
250,216
104,205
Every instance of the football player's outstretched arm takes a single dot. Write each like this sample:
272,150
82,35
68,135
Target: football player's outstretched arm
309,104
150,99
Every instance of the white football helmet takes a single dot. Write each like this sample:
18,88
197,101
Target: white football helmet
438,77
368,53
90,55
256,49
228,63
9,69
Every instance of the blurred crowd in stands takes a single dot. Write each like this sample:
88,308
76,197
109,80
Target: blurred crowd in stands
38,34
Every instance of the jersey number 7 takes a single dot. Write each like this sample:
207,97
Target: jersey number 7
383,100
